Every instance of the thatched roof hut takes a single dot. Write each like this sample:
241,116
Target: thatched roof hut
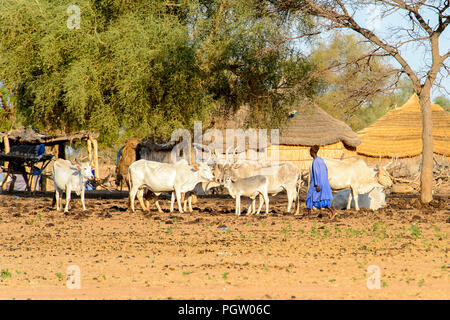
305,126
313,126
398,134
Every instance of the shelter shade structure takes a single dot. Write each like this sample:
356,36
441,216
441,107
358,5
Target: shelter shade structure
54,143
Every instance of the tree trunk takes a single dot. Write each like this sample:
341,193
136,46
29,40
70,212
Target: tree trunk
426,175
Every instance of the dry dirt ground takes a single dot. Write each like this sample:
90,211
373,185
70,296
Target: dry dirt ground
213,254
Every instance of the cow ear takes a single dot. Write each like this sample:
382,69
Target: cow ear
195,166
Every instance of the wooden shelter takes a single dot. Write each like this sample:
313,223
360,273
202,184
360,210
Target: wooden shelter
398,134
54,145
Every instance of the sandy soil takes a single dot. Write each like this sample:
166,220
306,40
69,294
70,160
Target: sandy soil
213,254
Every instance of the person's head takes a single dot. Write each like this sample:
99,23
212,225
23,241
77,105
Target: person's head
313,151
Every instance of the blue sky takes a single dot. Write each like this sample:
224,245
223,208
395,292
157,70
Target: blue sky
416,55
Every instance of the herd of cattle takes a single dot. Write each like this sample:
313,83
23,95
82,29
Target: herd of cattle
244,179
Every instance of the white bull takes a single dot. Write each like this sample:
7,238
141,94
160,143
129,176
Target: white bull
161,177
281,177
373,200
356,175
68,177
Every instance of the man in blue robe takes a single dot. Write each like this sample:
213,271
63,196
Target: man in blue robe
319,194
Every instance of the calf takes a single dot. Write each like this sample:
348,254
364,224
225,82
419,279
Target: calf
248,187
68,178
283,176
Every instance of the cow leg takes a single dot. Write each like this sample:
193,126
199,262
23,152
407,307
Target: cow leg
190,204
146,200
355,196
349,200
184,201
178,195
60,199
140,196
68,191
57,198
82,200
290,197
261,201
297,200
266,200
238,205
260,204
133,192
158,206
172,201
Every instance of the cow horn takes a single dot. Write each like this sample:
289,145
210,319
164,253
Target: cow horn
210,156
226,159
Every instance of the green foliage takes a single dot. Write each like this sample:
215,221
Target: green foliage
141,68
5,273
349,82
443,101
415,231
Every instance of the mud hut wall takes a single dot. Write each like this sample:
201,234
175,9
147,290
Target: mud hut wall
299,155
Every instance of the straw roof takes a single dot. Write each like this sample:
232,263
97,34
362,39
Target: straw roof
399,132
313,126
31,136
307,126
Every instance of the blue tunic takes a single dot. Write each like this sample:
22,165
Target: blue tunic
319,177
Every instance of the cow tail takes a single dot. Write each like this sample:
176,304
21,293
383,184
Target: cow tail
129,180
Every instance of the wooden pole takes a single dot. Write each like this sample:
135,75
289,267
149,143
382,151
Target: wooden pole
89,147
7,149
96,166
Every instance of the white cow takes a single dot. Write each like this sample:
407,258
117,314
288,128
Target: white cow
161,177
281,177
68,177
356,175
248,187
373,200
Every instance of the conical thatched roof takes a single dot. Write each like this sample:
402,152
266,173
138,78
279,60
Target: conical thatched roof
399,132
313,126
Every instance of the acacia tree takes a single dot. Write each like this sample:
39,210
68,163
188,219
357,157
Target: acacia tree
140,67
426,22
351,79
